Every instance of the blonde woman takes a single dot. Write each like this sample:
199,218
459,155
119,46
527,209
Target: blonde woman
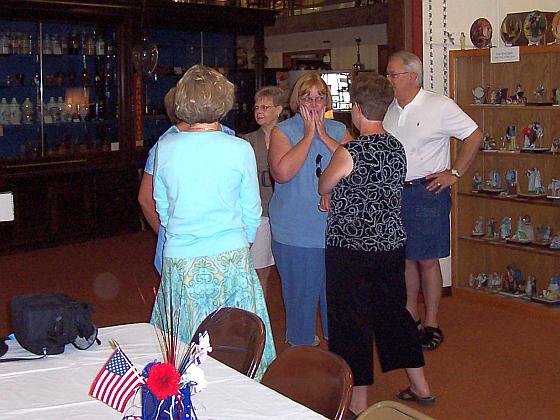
207,198
299,148
269,103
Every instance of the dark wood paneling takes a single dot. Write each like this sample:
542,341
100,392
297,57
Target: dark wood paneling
376,14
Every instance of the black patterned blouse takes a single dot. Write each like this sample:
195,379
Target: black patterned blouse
366,204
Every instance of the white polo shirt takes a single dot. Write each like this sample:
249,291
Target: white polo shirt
424,127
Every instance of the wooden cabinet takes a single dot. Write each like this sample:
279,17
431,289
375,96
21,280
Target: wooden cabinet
538,65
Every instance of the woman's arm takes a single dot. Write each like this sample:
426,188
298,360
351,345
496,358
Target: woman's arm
147,203
331,143
284,160
249,196
341,165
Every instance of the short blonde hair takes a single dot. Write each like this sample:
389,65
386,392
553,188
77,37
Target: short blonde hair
303,86
273,92
203,96
169,104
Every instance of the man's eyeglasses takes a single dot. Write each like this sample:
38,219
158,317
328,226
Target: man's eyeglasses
318,168
308,99
394,75
262,107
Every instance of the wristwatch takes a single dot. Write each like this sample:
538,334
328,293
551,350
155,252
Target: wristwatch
455,173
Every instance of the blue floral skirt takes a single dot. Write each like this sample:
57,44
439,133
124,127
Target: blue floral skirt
200,285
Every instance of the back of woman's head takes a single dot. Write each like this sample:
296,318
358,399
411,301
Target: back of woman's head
203,96
373,93
303,87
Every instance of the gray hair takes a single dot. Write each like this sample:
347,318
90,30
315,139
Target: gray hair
203,96
411,63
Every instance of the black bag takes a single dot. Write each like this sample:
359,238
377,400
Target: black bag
44,324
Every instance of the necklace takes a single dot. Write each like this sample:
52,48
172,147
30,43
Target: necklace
204,127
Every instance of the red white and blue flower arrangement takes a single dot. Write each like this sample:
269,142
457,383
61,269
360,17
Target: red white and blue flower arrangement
165,387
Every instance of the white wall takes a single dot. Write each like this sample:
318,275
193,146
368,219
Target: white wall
342,44
460,16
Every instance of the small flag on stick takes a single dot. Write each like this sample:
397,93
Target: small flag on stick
116,382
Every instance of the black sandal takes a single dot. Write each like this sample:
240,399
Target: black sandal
432,338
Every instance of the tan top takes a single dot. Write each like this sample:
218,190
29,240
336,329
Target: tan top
256,138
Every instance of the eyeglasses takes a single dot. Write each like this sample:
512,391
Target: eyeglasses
394,75
318,168
262,107
308,99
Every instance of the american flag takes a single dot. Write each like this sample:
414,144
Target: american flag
116,383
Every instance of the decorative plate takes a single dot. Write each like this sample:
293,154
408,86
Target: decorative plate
555,26
511,28
534,27
481,33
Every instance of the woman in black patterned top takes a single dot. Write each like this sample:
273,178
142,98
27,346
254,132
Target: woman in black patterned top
365,260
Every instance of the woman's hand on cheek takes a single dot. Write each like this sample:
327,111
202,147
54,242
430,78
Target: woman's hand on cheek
320,122
308,121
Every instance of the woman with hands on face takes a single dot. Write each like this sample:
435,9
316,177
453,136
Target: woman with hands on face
300,147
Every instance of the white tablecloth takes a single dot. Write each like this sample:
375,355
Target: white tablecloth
57,387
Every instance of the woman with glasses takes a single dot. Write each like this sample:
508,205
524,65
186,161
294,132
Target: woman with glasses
299,148
365,254
207,198
269,103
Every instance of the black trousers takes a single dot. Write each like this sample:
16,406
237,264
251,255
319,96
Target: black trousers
366,298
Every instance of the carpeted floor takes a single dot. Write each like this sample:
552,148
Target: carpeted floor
500,358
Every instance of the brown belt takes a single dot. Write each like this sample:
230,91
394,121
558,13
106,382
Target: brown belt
417,181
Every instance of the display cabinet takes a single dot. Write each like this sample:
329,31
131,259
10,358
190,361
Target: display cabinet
58,91
211,40
507,100
65,121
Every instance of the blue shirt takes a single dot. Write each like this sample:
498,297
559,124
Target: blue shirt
295,218
206,192
149,169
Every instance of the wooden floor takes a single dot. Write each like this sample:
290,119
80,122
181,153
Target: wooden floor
500,358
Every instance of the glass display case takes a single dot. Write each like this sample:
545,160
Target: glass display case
58,90
179,50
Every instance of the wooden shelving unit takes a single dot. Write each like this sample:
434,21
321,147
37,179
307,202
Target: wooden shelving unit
473,255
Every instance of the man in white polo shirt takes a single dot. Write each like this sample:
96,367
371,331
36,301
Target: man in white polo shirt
424,122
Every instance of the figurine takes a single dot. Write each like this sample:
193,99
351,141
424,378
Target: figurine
481,281
462,42
557,96
555,148
476,182
478,227
478,95
491,225
495,281
488,142
519,95
554,188
505,228
535,182
555,242
508,141
511,182
544,234
530,138
530,286
540,92
494,181
513,279
524,231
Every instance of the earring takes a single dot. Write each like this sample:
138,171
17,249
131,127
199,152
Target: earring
278,116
